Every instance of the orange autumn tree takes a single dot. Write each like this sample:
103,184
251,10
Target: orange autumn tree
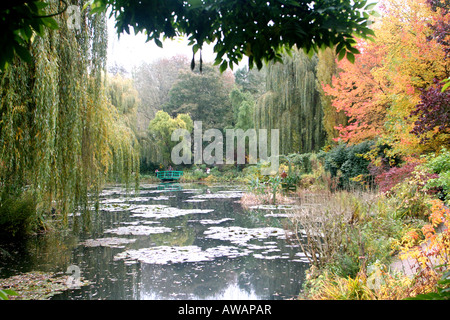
359,94
379,91
412,63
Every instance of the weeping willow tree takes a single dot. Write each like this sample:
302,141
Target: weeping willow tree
294,104
60,136
124,97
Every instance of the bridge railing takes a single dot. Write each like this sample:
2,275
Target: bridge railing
169,174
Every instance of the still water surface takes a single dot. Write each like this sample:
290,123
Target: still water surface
180,241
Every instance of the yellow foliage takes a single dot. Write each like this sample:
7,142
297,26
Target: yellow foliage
210,178
380,286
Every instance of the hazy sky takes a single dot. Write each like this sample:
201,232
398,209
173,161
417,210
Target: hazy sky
130,50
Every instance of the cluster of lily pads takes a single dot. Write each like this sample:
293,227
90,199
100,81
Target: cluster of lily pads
138,230
167,254
219,195
113,242
146,221
241,239
37,285
159,212
241,236
210,221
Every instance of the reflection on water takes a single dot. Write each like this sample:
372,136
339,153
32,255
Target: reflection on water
245,255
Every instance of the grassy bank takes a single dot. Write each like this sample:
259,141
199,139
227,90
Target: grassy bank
352,225
352,239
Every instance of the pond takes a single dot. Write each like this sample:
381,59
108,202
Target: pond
172,241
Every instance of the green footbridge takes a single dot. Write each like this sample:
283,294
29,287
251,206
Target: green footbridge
169,175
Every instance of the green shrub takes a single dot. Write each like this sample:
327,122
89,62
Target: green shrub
194,175
17,215
440,165
306,163
256,186
349,164
301,161
292,179
251,173
215,171
408,200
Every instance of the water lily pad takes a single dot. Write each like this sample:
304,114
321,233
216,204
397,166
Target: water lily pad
149,207
259,247
241,236
139,222
138,230
116,207
108,242
150,222
167,254
229,252
139,199
113,200
301,257
110,192
219,195
161,198
192,190
268,257
150,191
165,212
206,221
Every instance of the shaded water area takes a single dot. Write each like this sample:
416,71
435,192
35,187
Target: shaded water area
172,241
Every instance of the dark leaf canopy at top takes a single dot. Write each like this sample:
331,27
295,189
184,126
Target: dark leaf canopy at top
258,29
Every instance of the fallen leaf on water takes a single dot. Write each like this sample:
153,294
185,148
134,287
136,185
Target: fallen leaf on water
37,285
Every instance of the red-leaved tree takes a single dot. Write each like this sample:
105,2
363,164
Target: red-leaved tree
433,112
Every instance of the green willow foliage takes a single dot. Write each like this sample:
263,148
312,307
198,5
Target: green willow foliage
60,136
292,104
